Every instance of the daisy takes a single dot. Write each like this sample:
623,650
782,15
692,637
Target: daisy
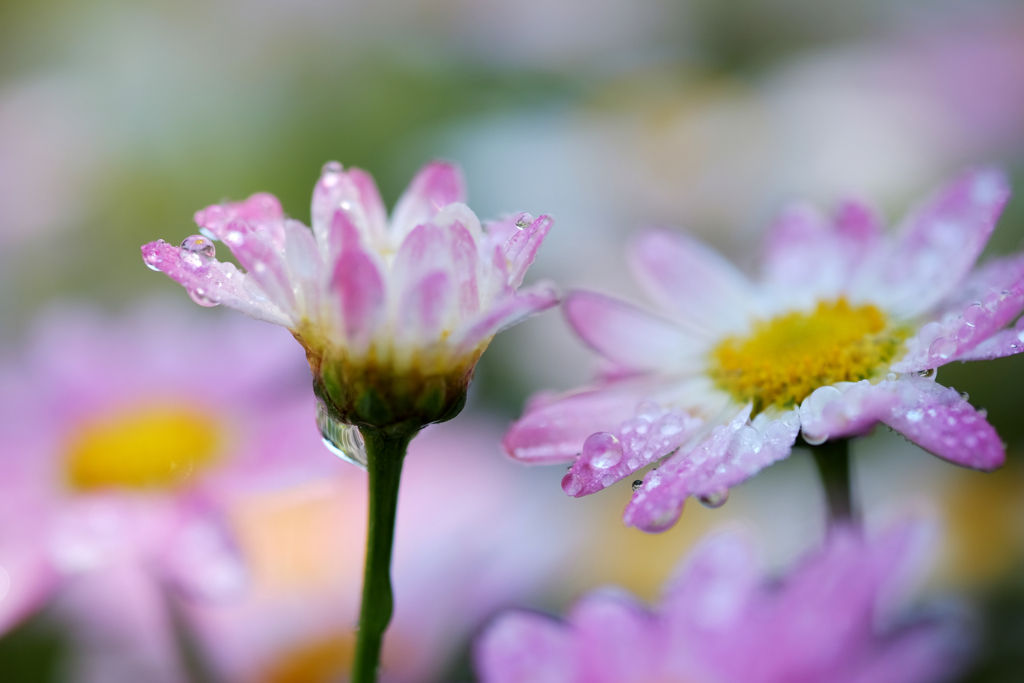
844,329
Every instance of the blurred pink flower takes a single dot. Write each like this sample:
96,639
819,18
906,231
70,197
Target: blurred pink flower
122,442
824,344
831,619
375,304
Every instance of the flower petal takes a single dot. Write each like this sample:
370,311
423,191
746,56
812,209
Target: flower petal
525,303
683,276
940,421
426,308
262,212
338,191
525,648
728,456
522,247
359,287
1003,343
940,242
215,283
437,185
264,262
630,336
845,409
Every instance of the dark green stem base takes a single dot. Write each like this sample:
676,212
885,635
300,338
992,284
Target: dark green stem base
385,452
833,461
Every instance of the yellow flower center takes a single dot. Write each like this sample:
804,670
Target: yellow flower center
786,358
321,661
145,448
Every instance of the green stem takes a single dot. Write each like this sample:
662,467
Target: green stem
385,452
833,461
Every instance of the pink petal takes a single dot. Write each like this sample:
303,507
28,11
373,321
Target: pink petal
1003,343
522,247
693,281
552,430
846,409
525,648
262,212
343,192
426,307
939,244
426,249
617,640
629,336
959,332
201,559
359,286
264,262
437,185
369,198
525,303
610,456
27,579
465,270
304,264
214,283
728,456
940,421
805,250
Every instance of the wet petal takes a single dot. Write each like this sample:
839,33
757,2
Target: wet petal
940,421
340,192
693,281
631,337
359,288
845,409
262,212
215,283
264,262
522,246
940,242
1003,343
525,303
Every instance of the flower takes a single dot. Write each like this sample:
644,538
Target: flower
845,330
122,443
469,543
393,316
721,621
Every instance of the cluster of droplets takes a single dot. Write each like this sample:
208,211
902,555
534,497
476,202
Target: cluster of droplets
942,341
342,439
650,434
949,424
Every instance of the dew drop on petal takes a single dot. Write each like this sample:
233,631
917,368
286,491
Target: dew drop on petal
815,440
602,450
965,396
329,173
522,220
637,483
342,439
199,296
196,250
943,347
930,333
973,313
891,377
915,415
572,484
715,500
927,374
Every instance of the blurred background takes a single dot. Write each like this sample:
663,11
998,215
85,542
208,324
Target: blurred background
119,120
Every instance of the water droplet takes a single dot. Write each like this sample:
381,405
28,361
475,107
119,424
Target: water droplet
943,347
891,377
973,313
602,450
523,220
715,500
572,484
330,172
965,396
152,266
930,373
815,440
930,332
637,483
342,439
197,250
915,415
199,296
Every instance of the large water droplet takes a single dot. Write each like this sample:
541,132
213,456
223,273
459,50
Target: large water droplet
943,347
199,296
523,220
197,251
637,483
342,439
891,377
974,313
715,500
602,450
815,439
329,173
930,373
572,484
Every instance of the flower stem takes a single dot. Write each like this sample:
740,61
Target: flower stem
833,461
385,452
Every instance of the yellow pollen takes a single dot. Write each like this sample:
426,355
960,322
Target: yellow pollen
786,358
321,661
146,448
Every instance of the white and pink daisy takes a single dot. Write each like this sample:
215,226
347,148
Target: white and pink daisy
844,330
393,314
833,619
122,443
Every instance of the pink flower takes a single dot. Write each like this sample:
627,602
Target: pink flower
393,315
122,443
831,619
844,330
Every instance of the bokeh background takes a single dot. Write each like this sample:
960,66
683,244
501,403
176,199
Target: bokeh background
118,120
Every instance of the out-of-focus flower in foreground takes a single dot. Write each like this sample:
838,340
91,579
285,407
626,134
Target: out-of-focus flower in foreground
832,619
845,330
122,442
393,314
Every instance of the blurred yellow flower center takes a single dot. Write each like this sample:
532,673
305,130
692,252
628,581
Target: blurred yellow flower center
784,359
323,661
146,448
